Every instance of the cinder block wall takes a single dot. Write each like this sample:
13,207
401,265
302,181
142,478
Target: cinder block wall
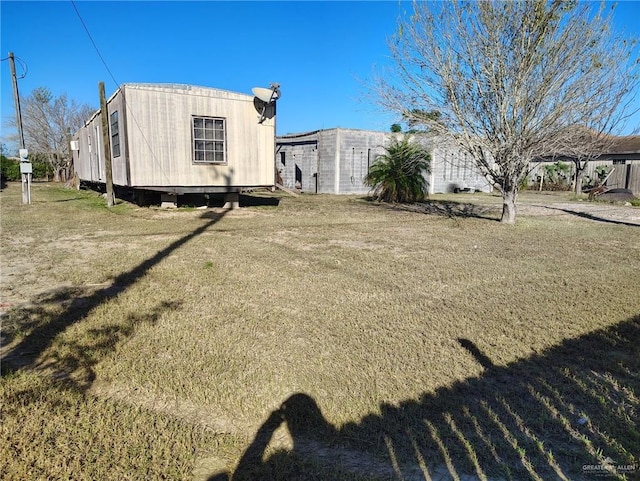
336,161
358,150
452,168
297,160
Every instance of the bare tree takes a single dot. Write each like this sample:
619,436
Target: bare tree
48,123
580,145
508,80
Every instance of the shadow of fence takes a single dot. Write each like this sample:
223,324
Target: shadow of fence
569,413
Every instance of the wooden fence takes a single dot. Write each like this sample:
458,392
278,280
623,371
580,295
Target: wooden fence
625,175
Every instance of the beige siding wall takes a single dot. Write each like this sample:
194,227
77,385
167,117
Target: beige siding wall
89,160
80,156
159,138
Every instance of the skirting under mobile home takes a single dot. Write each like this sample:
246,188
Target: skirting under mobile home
179,139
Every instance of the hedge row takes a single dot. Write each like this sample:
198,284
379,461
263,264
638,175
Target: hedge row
10,169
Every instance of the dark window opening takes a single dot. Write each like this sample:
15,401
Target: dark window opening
115,135
298,177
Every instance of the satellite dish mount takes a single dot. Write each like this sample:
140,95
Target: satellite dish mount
266,99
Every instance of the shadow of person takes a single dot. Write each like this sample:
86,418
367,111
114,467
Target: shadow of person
305,420
529,419
306,424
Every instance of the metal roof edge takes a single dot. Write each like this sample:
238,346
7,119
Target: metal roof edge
180,87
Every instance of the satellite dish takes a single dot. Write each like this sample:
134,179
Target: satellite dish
265,100
266,95
265,110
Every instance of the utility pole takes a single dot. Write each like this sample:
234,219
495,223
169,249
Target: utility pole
25,165
107,145
16,98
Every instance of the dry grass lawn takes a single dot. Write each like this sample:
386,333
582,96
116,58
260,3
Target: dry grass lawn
324,338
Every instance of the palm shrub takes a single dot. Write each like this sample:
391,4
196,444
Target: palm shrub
399,175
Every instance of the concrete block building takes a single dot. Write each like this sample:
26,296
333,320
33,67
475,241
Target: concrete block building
331,161
335,161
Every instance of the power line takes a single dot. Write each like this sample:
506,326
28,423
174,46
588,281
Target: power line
73,3
86,29
23,63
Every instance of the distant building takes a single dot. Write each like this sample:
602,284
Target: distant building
178,139
622,159
335,161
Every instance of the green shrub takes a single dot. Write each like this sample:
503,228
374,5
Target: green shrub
9,169
399,175
599,174
557,177
41,169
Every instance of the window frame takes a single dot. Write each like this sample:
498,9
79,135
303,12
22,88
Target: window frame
115,134
213,140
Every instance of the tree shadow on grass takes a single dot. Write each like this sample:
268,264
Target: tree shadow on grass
586,215
72,359
571,413
447,208
40,323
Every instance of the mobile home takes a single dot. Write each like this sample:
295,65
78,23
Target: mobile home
178,139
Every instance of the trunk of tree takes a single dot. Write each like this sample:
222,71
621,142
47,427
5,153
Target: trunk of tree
577,188
55,168
509,206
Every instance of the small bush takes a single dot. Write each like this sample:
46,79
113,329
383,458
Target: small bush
599,174
399,175
10,169
41,169
557,177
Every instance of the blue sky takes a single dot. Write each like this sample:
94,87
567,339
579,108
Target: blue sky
322,53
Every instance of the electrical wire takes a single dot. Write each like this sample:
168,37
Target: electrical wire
24,67
22,63
73,3
129,112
